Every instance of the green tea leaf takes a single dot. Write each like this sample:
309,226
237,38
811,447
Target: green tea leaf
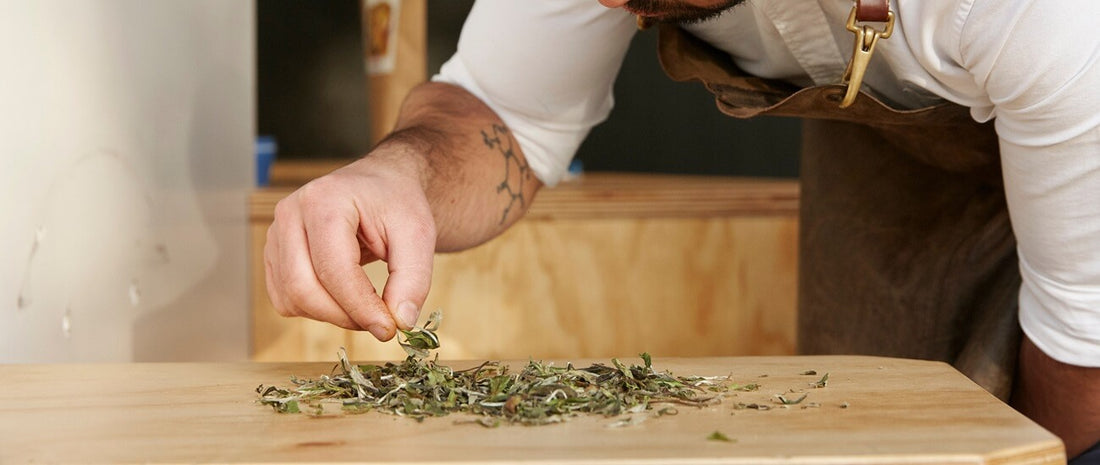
291,406
786,401
718,436
419,341
752,406
434,320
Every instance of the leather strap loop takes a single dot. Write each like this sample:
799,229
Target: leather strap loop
872,10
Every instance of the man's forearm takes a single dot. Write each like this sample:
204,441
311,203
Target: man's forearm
1064,399
474,173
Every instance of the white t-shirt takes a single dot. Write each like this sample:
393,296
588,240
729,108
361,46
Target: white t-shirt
547,69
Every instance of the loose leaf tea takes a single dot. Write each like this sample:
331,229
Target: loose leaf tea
539,393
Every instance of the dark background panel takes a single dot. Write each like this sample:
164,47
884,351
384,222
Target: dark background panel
311,86
659,125
312,98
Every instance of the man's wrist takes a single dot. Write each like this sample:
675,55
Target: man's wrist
406,153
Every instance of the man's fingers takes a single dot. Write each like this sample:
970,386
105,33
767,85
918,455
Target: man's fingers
365,254
334,252
273,289
323,238
303,294
271,270
411,248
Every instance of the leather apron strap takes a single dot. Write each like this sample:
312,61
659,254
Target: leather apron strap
872,10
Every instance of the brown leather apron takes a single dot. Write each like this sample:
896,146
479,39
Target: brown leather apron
905,244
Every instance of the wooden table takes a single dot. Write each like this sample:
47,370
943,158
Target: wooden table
897,411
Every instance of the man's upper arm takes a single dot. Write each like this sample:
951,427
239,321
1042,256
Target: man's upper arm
546,68
1039,63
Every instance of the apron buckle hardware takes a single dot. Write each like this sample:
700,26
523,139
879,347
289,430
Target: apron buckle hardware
862,49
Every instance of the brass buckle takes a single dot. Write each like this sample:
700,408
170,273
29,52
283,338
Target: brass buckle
864,46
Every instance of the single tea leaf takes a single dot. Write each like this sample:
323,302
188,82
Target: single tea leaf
718,436
789,401
419,341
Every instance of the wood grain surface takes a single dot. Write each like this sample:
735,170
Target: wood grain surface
587,288
615,264
598,288
898,412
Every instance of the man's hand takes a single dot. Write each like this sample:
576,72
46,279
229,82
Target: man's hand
373,209
449,177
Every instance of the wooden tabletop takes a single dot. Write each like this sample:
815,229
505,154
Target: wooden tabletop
872,411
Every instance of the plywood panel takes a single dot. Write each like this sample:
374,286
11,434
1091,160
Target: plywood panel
594,288
567,282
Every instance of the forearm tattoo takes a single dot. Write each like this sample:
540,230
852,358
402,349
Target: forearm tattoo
516,171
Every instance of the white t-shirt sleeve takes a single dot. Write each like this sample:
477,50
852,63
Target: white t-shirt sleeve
547,68
1039,63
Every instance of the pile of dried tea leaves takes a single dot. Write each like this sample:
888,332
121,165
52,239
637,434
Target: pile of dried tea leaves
540,393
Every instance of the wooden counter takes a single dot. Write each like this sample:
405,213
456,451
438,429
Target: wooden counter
608,264
898,412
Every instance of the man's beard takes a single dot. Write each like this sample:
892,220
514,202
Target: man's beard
671,11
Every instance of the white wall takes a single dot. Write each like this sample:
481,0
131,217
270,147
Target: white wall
125,156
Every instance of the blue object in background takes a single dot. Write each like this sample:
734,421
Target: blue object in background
576,167
576,170
266,149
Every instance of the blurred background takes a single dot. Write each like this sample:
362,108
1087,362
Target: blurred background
312,98
135,207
